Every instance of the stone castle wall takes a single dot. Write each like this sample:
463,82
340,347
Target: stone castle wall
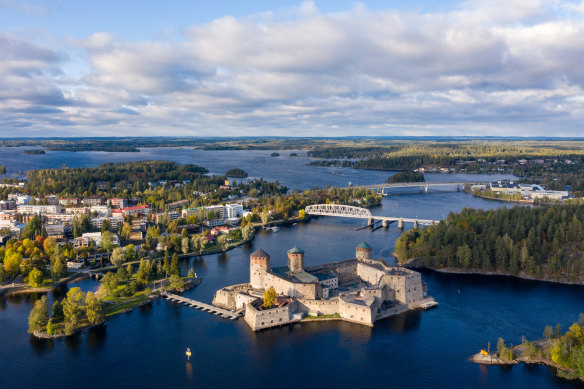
259,320
289,288
356,313
323,307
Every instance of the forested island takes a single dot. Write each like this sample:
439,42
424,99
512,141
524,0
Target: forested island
542,242
236,172
406,177
563,352
2,169
34,152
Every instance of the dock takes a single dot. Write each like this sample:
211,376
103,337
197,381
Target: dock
232,315
429,305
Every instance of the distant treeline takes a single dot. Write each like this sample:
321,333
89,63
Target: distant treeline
133,175
543,242
34,152
415,155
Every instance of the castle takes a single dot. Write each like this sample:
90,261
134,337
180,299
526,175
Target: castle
360,290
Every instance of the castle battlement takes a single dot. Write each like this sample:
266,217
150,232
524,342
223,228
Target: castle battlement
360,290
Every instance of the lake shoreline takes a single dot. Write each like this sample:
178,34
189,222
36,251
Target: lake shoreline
416,263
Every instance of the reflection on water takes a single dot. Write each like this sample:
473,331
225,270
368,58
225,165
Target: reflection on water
73,342
41,346
96,338
189,371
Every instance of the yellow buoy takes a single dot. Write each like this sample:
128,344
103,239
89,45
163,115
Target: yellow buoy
188,354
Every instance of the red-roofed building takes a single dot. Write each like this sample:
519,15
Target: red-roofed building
137,210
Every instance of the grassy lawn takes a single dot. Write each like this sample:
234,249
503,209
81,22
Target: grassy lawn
332,316
121,306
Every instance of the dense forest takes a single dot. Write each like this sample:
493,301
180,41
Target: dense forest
406,177
415,155
540,242
77,181
34,152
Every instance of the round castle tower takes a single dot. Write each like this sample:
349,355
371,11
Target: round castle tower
259,263
296,259
364,251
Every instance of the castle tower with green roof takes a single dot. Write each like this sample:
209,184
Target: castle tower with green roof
364,251
296,259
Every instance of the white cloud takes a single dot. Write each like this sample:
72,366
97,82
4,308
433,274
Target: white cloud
486,65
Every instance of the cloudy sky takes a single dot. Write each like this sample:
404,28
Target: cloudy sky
322,68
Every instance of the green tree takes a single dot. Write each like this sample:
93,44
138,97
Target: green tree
185,247
130,252
118,257
106,226
73,309
94,309
222,242
191,273
33,228
107,241
35,278
548,332
12,263
110,282
50,329
39,315
126,231
58,268
247,232
176,281
57,311
166,265
174,265
270,297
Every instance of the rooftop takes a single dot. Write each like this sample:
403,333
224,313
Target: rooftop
259,253
298,276
296,250
364,245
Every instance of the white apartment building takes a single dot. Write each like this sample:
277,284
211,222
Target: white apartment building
233,210
38,209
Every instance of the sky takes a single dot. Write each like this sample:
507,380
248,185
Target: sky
291,68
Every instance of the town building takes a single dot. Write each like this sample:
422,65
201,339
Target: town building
360,290
118,202
38,209
69,201
93,200
233,210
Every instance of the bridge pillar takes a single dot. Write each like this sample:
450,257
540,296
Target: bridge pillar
415,224
385,223
400,224
426,189
458,188
370,221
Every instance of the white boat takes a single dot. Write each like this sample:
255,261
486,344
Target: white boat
275,229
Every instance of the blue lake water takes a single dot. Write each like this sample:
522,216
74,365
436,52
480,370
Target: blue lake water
427,349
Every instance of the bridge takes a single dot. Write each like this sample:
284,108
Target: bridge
422,185
341,210
202,306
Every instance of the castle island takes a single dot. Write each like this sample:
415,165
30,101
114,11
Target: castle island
360,290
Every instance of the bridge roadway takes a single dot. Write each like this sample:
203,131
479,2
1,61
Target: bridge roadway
202,306
341,210
423,185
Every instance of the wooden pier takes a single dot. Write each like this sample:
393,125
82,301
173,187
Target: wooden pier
202,306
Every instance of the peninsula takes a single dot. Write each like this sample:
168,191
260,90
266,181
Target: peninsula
360,290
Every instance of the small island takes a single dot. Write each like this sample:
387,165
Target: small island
293,154
34,152
274,154
2,169
410,176
564,353
236,172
